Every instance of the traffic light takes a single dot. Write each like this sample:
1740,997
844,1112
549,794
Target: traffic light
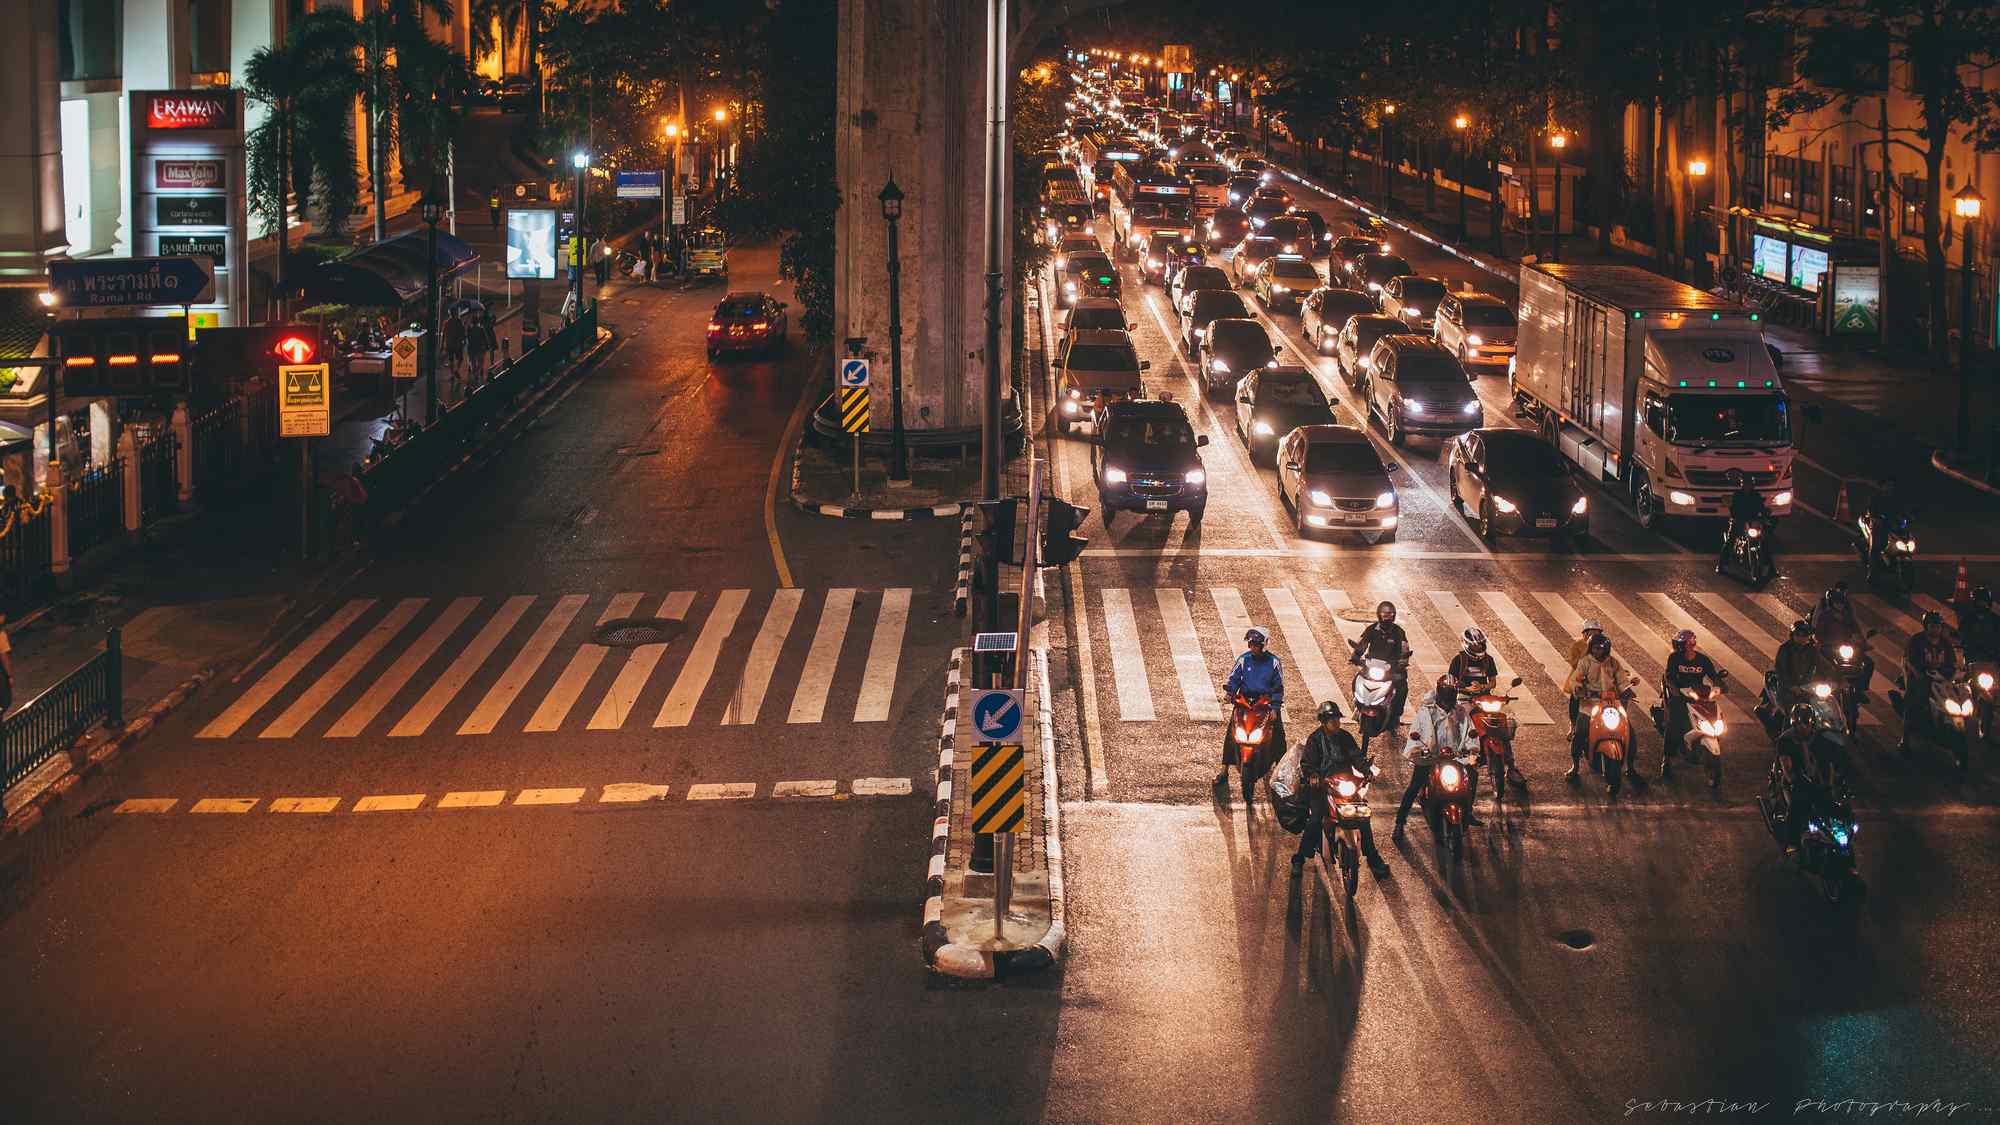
997,540
231,355
295,347
123,356
1060,542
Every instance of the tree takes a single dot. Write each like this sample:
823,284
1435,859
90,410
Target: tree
304,146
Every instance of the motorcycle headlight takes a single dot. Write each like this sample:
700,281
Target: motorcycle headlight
1385,500
1781,500
1449,775
1489,705
1470,407
1713,728
1474,341
1070,407
1840,833
1277,288
1503,504
1581,506
1612,718
1069,287
1985,681
1754,532
1953,707
1847,653
1262,428
1822,691
1907,546
1218,367
1346,787
1321,497
1385,246
1114,476
1377,674
1196,476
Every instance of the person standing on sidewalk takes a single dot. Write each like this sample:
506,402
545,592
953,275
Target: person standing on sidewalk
454,348
478,341
603,261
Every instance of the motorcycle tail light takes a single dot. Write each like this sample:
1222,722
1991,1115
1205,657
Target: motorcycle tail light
1449,775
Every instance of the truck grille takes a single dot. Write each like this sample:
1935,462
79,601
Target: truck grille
1719,478
1156,488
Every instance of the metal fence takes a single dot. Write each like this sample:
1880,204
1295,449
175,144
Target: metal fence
218,446
159,492
97,506
58,717
24,559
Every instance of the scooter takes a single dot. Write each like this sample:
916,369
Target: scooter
1824,845
1495,729
1702,741
1374,691
1850,656
1608,737
1249,726
1447,797
1346,814
1752,555
1952,717
1898,560
1985,677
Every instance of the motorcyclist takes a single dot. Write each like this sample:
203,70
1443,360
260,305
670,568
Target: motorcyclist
1579,646
1834,623
1799,663
1979,627
1330,750
1799,784
1441,728
1930,655
1257,674
1745,505
1476,673
1598,671
1385,640
1886,514
1686,667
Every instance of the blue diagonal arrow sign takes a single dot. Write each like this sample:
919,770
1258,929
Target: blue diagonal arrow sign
996,715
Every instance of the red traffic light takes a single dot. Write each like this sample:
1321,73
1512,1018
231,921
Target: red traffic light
294,349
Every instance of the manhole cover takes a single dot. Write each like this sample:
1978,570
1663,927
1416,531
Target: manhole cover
631,632
1577,939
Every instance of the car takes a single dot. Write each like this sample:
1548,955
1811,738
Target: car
1095,313
1510,481
1076,243
1344,263
1354,349
1284,280
1148,460
1416,387
1058,219
1248,255
1255,165
1241,187
1162,247
1262,208
1322,234
1477,327
1232,347
1414,299
1326,310
747,321
1274,401
1293,233
1227,226
1087,275
1203,306
1094,367
1195,278
1334,480
1375,270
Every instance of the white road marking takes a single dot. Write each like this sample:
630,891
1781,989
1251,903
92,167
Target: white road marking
1235,619
281,673
1190,666
617,704
1306,654
582,665
629,792
303,804
1748,675
1897,619
748,698
1128,660
472,799
1635,641
350,663
147,805
728,791
1428,659
1527,708
223,805
805,789
881,786
447,686
1547,654
390,802
680,703
541,642
885,649
398,675
1765,641
549,796
809,703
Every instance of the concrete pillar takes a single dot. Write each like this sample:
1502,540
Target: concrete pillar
58,524
103,419
128,458
184,451
912,106
31,198
155,58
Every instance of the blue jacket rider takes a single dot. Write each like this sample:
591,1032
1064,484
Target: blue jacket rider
1257,672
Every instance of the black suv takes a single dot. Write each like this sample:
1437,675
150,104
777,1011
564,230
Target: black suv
1147,461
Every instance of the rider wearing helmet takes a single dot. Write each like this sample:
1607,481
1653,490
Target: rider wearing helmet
1385,640
1327,752
1745,505
1687,667
1473,669
1579,646
1256,674
1441,728
1886,516
1795,761
1978,626
1930,656
1597,672
1800,662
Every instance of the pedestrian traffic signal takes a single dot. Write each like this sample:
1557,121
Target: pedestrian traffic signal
1060,542
996,541
294,348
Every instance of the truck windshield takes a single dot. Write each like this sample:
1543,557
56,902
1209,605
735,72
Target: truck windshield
1728,419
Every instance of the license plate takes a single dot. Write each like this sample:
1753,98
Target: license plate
1357,519
1351,813
1545,521
1156,505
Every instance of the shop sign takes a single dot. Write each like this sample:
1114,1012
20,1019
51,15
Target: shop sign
194,246
191,210
182,109
176,175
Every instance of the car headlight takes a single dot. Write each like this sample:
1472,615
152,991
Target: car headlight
1473,341
1386,500
1319,496
1781,499
1262,428
1069,287
1257,223
1367,363
1472,407
1678,497
1412,310
1200,333
1196,476
1414,405
1277,288
1218,367
1070,407
1581,506
1113,475
1504,504
1374,287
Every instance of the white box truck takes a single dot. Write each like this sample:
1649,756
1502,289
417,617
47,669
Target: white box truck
1652,385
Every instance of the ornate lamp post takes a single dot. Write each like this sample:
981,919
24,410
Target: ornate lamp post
432,209
1967,204
1697,171
1558,142
892,211
581,160
1460,123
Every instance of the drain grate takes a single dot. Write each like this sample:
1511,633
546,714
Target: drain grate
1577,939
631,632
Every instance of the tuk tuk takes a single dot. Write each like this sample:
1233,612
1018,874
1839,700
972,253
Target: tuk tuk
708,254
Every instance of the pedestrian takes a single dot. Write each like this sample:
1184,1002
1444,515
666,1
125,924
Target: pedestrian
603,261
454,347
478,341
6,667
645,256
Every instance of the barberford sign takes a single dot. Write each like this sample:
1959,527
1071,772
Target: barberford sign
185,110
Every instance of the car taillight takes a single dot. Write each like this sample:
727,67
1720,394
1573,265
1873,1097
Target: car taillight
714,327
761,325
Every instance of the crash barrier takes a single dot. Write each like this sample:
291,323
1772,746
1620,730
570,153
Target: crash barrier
53,720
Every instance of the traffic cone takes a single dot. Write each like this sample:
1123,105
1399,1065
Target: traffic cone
1840,513
1961,589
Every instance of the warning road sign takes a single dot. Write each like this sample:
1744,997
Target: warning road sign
403,355
996,714
854,409
853,372
304,401
999,795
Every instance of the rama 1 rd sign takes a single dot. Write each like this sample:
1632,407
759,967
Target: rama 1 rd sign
305,401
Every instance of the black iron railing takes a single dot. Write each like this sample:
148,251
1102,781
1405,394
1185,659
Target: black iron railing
159,491
97,506
55,719
24,558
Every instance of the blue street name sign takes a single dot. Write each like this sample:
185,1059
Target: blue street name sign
996,715
104,283
641,185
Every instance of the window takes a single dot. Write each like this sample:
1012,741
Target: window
1842,195
208,36
1910,202
1784,181
1871,188
1809,175
91,38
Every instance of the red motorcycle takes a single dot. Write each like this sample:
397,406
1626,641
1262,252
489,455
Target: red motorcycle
1249,729
1346,815
1447,798
1495,728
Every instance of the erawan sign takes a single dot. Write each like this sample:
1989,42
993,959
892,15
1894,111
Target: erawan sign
188,109
187,190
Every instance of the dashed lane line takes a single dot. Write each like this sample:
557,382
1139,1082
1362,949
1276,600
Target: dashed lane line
615,793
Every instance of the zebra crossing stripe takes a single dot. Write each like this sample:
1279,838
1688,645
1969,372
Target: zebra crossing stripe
1527,709
266,688
1431,659
406,666
1745,673
583,664
1896,618
680,703
809,702
351,662
1761,639
1235,620
749,697
1306,655
1128,661
1528,636
885,649
446,687
541,642
1190,667
617,704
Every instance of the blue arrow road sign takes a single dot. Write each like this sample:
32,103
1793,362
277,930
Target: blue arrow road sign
996,715
853,372
102,283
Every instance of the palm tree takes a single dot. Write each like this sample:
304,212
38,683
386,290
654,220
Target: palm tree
303,146
414,86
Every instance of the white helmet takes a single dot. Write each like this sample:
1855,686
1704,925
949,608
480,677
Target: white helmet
1590,625
1259,636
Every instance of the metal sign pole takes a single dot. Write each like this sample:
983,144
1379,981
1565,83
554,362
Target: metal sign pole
857,466
1029,533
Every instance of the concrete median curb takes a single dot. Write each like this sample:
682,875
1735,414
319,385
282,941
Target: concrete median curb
1943,466
934,937
962,595
813,507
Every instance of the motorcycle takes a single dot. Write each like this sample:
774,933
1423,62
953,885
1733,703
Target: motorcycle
1825,842
1608,735
1850,656
1985,677
1952,717
1447,797
1346,814
1752,553
1374,691
1249,726
1702,741
1898,559
1495,729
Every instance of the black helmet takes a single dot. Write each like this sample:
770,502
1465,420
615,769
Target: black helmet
1836,596
1329,710
1801,714
1933,618
1447,693
1600,646
1684,638
1802,628
1385,611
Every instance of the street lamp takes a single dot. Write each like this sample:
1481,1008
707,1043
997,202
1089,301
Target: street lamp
1697,169
892,211
581,160
432,209
1558,142
1966,204
673,188
1460,123
1382,145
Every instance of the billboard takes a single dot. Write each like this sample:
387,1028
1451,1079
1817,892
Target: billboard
1808,267
187,185
1767,257
531,243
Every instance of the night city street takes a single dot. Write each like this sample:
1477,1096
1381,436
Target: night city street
601,560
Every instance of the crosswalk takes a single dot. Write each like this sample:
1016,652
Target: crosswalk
1170,646
474,666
